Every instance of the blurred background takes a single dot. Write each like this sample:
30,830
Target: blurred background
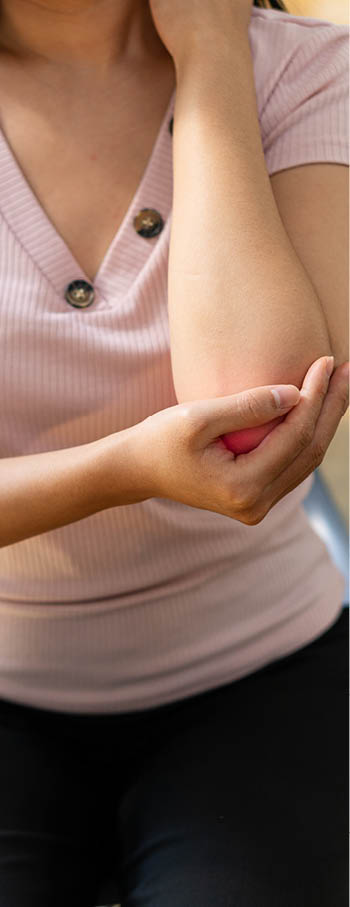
335,466
332,10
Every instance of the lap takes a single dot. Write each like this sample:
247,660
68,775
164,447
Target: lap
237,797
49,830
242,799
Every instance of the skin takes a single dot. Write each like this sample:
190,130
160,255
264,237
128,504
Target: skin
249,438
92,37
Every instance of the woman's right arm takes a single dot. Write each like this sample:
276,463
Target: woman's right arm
43,491
179,453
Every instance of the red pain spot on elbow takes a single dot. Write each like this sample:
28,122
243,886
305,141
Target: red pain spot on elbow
246,439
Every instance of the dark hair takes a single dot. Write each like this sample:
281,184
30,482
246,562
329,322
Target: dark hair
271,4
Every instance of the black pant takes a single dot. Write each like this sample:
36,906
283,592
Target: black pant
236,797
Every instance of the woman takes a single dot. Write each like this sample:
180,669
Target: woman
173,642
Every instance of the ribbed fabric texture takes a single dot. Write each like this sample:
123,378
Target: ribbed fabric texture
144,604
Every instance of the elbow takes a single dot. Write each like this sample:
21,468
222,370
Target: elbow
290,367
278,370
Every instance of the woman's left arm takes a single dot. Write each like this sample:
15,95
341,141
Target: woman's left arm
242,310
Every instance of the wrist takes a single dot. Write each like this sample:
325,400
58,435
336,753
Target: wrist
207,53
120,477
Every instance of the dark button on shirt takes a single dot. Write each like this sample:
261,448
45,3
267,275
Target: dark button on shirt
148,223
79,293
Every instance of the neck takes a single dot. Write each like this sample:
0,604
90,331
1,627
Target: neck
87,36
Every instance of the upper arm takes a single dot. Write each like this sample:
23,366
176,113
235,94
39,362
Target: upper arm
313,202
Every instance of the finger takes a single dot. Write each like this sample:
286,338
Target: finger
335,405
288,439
253,407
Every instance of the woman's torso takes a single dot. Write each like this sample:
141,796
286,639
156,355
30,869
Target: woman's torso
141,605
83,148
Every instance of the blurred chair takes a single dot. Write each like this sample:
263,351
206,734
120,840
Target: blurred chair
328,522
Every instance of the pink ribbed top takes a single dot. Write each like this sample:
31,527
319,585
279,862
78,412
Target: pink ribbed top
144,604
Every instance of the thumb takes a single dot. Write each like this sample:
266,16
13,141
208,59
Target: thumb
249,408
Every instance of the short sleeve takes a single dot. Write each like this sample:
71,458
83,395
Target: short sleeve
305,117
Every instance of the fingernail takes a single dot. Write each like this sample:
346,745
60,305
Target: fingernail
285,395
330,365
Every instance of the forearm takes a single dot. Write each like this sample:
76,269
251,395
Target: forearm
242,311
44,491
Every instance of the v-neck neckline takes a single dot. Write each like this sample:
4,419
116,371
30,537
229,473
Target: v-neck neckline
122,261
